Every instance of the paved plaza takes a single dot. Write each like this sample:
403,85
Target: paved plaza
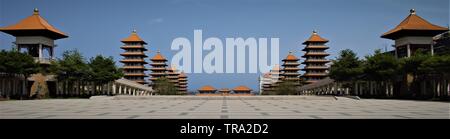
195,107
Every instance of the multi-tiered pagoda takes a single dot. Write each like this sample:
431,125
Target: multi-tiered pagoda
173,76
290,69
158,68
182,83
315,61
134,61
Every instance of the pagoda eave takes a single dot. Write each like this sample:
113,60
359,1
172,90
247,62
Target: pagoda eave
34,32
411,32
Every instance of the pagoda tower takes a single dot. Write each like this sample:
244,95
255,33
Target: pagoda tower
158,68
173,76
35,35
413,33
315,63
275,77
134,61
265,83
290,69
182,83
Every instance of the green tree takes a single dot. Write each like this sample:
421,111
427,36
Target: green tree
285,88
436,68
410,67
163,86
381,69
346,69
71,70
103,70
14,63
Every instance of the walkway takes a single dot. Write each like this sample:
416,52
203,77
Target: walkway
259,107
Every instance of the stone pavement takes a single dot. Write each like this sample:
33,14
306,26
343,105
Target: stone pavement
195,107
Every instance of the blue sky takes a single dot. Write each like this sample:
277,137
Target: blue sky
97,26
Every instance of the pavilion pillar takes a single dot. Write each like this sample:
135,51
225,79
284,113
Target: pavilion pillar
114,88
432,49
120,89
40,51
408,50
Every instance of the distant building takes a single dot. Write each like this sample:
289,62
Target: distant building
290,69
134,61
159,67
207,89
224,91
242,90
315,61
182,83
173,76
269,81
265,83
413,33
441,43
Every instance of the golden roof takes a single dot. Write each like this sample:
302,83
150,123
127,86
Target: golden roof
276,67
315,38
242,88
34,23
133,38
414,23
207,88
159,57
182,75
290,57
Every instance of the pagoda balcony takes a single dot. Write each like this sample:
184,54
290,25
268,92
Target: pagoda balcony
291,73
315,74
135,74
315,67
173,77
134,47
291,69
318,47
158,73
46,61
292,78
158,69
133,54
133,61
158,64
316,61
291,64
316,54
134,67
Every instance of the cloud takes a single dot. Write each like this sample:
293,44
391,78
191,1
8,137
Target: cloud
156,21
